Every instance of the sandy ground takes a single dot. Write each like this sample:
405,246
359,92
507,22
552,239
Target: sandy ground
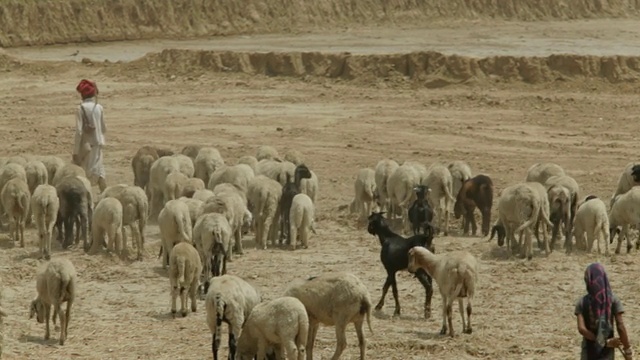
523,309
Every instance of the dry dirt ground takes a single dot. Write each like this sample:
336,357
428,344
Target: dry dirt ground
523,309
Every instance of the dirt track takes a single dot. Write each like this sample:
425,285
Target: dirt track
498,123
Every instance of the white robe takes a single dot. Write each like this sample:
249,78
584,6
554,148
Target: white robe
88,146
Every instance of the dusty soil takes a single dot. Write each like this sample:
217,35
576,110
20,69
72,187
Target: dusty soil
499,97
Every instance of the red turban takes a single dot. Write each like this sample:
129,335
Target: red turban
87,88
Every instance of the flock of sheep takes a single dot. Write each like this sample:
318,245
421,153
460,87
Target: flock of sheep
204,207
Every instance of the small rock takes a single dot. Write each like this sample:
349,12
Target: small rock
279,129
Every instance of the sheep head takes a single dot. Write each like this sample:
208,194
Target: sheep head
37,310
419,259
302,172
635,173
500,231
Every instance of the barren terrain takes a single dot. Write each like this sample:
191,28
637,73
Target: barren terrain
499,96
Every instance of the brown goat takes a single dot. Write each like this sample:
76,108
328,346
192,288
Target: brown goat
475,192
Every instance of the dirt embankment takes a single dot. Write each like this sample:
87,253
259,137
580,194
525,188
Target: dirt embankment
40,22
431,68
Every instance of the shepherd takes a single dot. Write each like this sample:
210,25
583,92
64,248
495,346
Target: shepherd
596,312
89,138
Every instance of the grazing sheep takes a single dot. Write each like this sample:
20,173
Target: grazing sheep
394,258
7,172
68,170
276,170
185,164
475,192
206,163
264,193
384,169
230,188
283,322
456,274
289,191
591,218
212,237
629,178
460,172
574,189
624,212
184,274
334,299
141,165
75,208
400,187
191,186
420,213
310,186
365,193
237,175
248,160
45,206
301,219
294,156
174,222
15,199
37,174
440,197
53,164
162,152
203,195
560,211
544,216
233,207
107,220
56,284
540,172
18,160
195,208
229,299
173,185
518,210
191,151
159,171
267,152
135,207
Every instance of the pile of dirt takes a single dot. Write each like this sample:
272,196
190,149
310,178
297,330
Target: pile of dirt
432,68
40,22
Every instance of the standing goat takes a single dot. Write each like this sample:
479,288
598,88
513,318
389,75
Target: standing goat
475,192
289,190
420,213
394,257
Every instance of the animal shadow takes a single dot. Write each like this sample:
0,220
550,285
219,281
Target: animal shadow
165,316
426,335
498,253
31,255
6,243
37,339
160,271
381,315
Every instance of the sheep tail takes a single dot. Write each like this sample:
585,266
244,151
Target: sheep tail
533,218
448,192
180,263
182,229
220,306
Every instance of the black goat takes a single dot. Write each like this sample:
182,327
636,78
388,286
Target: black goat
420,213
289,190
395,257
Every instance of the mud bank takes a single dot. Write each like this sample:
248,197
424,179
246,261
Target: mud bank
41,22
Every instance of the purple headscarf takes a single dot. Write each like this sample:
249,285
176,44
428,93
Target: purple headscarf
599,302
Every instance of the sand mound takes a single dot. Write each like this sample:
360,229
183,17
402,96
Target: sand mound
432,68
39,22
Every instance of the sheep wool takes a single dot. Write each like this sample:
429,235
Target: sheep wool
184,273
45,205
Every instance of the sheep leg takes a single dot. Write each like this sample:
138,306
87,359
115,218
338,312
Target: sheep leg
461,309
238,246
604,235
232,344
362,343
554,232
183,300
118,240
568,244
449,319
21,228
68,232
426,282
193,293
472,220
625,229
385,288
304,237
311,338
63,321
293,233
469,329
215,345
67,318
174,295
47,315
262,348
443,330
341,338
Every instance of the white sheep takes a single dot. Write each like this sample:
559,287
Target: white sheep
212,237
191,151
624,212
248,160
282,322
53,164
383,171
15,199
141,165
206,163
195,208
460,172
440,196
301,219
45,205
203,195
107,220
185,164
365,193
7,172
334,299
591,218
238,175
37,174
545,213
229,188
266,152
68,170
626,180
572,186
229,299
540,172
191,186
456,274
294,156
264,194
234,208
158,173
173,185
135,207
174,222
276,170
17,159
400,191
56,284
184,274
